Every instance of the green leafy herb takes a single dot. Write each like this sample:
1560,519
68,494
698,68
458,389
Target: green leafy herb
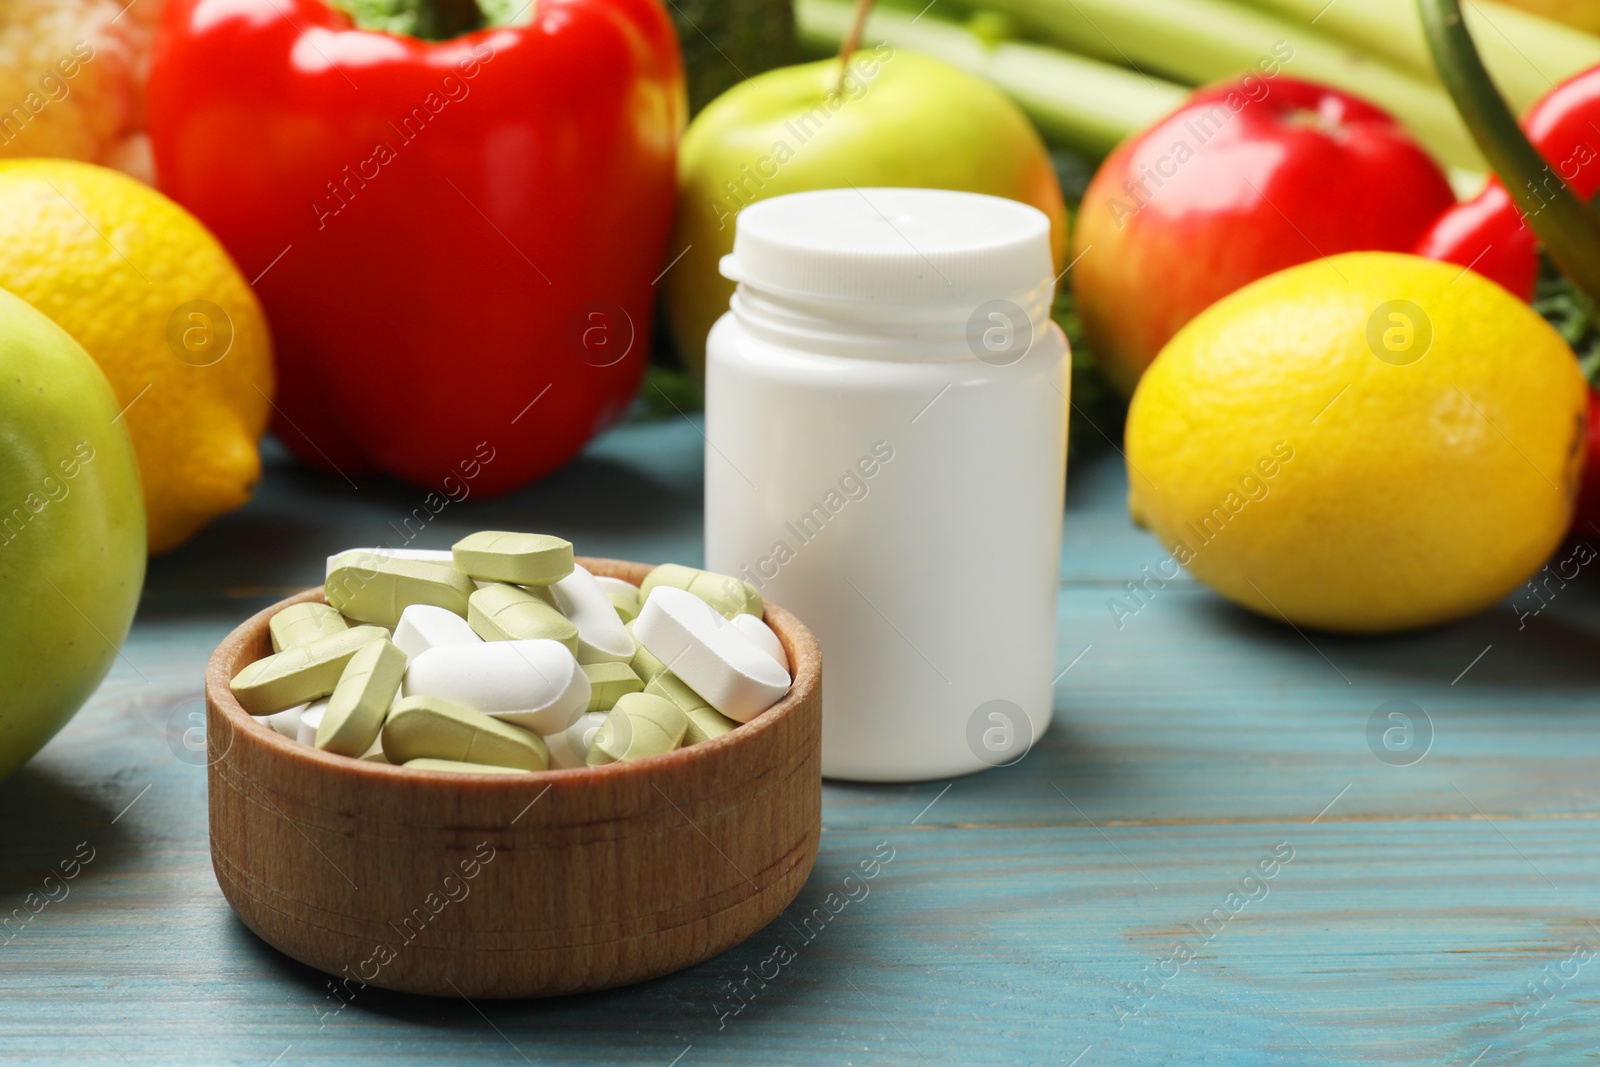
667,394
1573,315
435,20
1097,411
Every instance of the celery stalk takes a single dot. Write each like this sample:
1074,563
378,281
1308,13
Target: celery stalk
1076,102
1525,54
1206,40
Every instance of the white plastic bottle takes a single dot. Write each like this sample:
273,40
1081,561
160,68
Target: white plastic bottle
886,415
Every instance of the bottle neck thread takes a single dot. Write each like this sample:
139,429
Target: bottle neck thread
924,332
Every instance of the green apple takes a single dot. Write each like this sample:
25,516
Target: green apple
896,118
72,534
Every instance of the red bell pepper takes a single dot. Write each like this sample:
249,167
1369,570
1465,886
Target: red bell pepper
455,241
1489,232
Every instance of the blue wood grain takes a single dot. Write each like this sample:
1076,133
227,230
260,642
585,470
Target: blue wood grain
1102,902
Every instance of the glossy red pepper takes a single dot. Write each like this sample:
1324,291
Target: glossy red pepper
1489,232
455,241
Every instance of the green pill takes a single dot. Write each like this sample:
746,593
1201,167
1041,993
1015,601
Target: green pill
361,699
461,768
627,606
641,725
728,595
376,588
669,685
506,613
608,683
704,724
674,574
518,558
624,597
424,727
301,624
300,674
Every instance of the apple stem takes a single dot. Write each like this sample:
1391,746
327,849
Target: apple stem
852,39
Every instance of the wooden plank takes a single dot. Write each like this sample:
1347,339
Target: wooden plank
1422,905
1405,942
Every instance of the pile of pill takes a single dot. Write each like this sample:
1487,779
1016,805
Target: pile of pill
501,655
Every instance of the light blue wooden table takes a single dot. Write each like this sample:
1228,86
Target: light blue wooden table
1203,861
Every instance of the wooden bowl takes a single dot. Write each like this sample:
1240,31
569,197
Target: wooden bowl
513,886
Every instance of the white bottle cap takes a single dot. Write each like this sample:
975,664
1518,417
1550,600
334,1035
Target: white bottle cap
903,246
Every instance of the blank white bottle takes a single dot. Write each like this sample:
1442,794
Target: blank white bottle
886,416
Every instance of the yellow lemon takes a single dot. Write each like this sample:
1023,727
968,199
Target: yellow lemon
153,297
1366,443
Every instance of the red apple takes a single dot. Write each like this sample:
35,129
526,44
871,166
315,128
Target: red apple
1245,179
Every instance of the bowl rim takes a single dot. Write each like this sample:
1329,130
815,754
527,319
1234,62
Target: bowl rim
799,644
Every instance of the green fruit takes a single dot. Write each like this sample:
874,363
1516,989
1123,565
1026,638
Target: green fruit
72,535
901,119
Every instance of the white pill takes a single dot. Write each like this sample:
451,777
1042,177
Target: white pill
701,647
602,637
534,684
762,635
616,585
286,722
570,747
432,555
424,626
310,719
